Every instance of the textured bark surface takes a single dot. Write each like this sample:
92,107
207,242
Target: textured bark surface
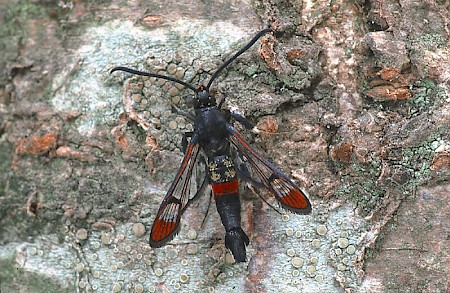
358,91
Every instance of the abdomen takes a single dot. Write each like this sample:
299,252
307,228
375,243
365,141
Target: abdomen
225,187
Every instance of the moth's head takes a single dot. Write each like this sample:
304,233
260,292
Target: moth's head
203,98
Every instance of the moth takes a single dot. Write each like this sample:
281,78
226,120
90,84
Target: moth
229,161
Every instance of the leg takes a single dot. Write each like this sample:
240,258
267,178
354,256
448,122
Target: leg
254,186
201,162
222,100
184,142
207,209
182,113
201,189
245,122
244,175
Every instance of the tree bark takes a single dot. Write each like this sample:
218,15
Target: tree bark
357,94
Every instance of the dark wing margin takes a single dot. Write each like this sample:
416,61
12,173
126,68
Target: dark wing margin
289,196
177,199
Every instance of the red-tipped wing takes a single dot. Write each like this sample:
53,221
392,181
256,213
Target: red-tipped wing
287,193
178,196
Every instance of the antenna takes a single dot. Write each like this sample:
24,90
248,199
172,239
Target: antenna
214,76
251,43
137,72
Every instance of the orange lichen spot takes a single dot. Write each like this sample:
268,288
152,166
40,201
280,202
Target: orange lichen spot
268,54
389,93
390,74
389,84
36,145
295,54
268,124
342,152
121,139
151,20
441,161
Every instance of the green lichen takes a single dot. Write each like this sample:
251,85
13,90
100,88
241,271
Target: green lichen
431,42
21,13
363,189
366,192
427,96
297,81
6,157
418,158
252,70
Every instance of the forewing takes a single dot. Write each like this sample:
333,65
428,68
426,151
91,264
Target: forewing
263,172
178,197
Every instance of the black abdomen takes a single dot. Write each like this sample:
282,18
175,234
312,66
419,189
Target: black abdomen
226,194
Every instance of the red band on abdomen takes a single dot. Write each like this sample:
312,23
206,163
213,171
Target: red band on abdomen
229,187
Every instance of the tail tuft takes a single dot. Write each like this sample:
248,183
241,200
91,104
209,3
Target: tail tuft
236,240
